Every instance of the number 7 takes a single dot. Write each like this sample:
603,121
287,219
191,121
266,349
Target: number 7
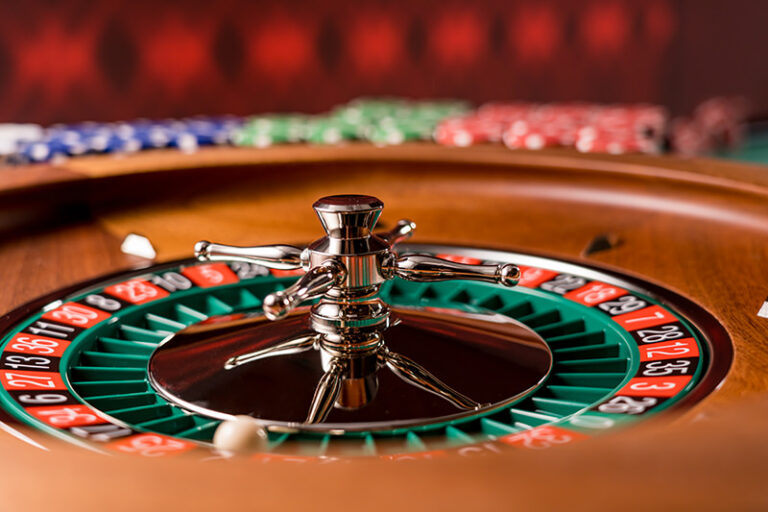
657,314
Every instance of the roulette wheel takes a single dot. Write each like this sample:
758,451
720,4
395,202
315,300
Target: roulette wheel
622,366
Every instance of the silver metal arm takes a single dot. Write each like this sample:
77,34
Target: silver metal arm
402,231
314,283
296,345
326,393
279,257
417,267
347,268
416,375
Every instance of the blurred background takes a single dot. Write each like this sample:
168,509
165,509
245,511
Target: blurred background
80,60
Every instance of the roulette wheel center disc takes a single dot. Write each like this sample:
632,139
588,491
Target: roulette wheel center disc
488,357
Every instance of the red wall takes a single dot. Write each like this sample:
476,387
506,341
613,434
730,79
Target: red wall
77,60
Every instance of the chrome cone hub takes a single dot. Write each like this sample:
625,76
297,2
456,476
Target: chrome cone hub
350,362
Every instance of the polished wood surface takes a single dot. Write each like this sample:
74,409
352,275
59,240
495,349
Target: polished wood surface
698,227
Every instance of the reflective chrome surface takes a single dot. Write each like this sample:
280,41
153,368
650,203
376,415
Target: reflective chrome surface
349,264
433,365
425,268
402,231
326,392
348,216
412,372
316,282
354,335
280,257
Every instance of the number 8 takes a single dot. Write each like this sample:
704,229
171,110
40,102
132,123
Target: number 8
102,302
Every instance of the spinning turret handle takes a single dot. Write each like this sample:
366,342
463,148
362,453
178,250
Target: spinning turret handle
316,282
418,267
279,257
351,261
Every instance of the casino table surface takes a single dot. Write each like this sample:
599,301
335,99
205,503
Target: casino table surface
695,227
754,149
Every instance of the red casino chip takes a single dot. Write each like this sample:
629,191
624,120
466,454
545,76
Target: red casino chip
548,126
604,144
529,135
613,129
592,139
466,131
716,123
688,138
624,129
453,136
651,121
590,127
513,136
722,121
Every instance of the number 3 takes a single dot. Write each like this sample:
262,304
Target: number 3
645,386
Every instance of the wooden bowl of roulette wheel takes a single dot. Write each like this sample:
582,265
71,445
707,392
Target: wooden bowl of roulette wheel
641,279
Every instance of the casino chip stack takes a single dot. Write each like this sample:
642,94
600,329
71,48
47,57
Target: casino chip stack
265,130
13,136
398,121
126,137
380,121
716,124
587,127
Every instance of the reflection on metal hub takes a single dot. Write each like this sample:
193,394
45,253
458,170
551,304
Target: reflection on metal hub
488,357
349,335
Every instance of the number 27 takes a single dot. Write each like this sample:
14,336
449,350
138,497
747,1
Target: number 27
21,380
